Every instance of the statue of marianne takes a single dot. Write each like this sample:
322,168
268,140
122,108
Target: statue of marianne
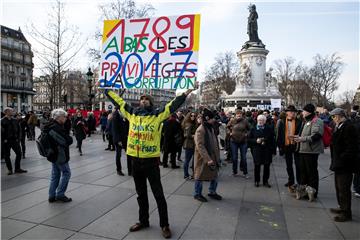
252,29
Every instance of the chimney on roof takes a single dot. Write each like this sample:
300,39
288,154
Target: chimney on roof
19,29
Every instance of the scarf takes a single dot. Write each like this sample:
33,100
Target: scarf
258,127
289,141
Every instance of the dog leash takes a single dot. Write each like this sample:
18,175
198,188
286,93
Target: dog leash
326,176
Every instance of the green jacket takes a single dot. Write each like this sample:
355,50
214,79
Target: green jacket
145,125
312,132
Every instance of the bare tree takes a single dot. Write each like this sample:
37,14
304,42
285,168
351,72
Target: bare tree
223,73
346,99
284,70
299,89
119,9
324,74
59,44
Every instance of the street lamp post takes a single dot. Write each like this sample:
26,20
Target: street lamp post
89,78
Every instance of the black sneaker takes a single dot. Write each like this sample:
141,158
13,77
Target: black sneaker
166,232
165,166
257,184
175,167
267,185
342,218
200,198
120,173
10,172
20,171
215,196
63,199
336,210
52,199
138,226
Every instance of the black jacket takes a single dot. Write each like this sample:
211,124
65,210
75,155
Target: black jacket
119,129
79,128
172,135
262,153
91,123
10,129
61,141
344,149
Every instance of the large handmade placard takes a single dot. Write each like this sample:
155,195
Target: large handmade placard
150,53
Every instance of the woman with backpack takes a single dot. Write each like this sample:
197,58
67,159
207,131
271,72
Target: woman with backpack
60,172
79,127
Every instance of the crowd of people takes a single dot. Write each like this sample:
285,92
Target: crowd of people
297,135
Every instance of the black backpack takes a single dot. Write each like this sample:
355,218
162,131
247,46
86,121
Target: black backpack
45,146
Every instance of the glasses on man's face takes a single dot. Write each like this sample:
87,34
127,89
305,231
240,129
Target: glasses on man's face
193,115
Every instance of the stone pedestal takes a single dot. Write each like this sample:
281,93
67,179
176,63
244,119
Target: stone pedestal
255,86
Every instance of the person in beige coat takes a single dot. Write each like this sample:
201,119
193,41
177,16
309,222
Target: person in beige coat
207,156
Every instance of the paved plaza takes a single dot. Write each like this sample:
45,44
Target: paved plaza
104,204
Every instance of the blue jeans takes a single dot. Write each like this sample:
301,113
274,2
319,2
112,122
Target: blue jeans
189,153
212,187
58,186
235,153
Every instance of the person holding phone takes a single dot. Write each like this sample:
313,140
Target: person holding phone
262,144
288,129
311,145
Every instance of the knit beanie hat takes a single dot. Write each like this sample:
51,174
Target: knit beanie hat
309,108
207,114
150,98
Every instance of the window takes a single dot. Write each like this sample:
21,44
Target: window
26,47
17,45
27,59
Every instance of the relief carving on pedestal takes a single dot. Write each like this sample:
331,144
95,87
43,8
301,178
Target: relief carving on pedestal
270,81
244,78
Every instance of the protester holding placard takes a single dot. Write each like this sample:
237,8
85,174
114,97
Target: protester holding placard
143,148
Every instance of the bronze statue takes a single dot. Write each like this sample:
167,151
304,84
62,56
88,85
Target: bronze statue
252,29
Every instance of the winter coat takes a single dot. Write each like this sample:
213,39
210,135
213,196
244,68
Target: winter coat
79,128
206,149
239,129
172,132
344,149
262,153
119,128
189,132
91,123
62,142
10,129
145,125
280,139
312,131
103,122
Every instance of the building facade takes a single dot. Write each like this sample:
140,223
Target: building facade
75,93
208,95
16,71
